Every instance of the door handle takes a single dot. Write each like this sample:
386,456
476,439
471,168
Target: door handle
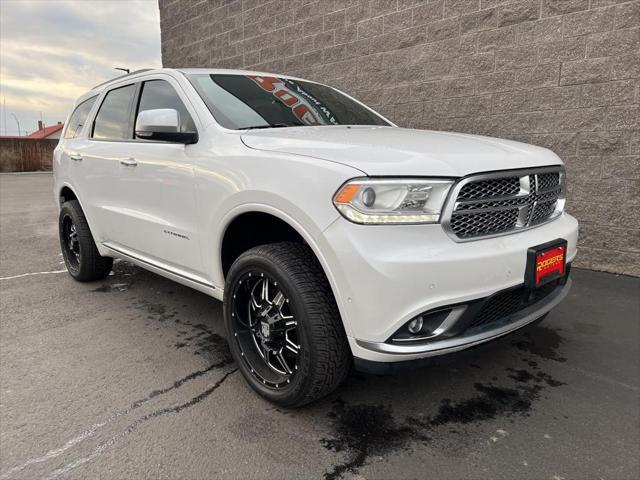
129,162
76,158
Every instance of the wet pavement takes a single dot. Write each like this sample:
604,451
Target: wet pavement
131,377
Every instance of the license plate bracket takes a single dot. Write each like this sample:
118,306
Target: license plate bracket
546,263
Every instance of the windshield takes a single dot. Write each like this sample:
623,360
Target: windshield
251,101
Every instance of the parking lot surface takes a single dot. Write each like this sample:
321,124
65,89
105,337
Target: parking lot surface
131,377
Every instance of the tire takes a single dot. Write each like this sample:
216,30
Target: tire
323,358
81,256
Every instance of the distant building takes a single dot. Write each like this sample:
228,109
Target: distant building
52,132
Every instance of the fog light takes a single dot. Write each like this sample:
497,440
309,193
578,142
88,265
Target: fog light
415,325
421,327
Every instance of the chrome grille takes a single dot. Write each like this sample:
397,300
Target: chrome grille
504,202
547,181
490,188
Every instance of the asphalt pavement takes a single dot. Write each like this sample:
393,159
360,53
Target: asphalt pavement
131,377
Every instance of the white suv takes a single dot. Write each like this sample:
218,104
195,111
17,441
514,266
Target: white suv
332,236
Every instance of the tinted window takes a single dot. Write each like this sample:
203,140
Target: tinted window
244,101
78,118
113,121
160,94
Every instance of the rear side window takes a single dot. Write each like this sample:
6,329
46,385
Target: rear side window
113,121
160,94
78,118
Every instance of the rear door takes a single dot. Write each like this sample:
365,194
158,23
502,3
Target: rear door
108,141
69,169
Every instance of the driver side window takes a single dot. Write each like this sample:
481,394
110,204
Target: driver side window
160,94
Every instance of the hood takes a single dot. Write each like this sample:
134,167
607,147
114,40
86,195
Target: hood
378,151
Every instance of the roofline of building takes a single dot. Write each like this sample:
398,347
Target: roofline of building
46,131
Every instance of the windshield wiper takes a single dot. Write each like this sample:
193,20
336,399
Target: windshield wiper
275,125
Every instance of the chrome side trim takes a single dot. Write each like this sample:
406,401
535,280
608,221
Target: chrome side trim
164,270
517,321
452,201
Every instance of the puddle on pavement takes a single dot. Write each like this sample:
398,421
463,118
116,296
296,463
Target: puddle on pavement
202,341
197,338
525,376
362,432
122,277
542,342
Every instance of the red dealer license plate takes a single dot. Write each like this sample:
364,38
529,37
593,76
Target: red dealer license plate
546,263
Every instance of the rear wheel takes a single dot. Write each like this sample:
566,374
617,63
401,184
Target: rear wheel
81,257
284,328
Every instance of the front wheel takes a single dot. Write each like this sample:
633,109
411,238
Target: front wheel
284,329
81,256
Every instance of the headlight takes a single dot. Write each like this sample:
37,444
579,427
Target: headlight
388,201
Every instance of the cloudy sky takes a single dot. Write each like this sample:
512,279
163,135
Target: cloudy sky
52,51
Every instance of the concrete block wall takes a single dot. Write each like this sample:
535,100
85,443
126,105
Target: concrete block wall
564,74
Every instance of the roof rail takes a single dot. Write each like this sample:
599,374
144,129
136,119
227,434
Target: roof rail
122,76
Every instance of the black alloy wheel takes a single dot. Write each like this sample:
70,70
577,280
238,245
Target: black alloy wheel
283,325
70,243
265,329
81,257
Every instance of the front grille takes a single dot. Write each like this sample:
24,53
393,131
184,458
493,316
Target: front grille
504,304
499,187
548,181
501,203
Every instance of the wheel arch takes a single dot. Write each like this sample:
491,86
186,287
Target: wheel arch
250,229
300,231
67,193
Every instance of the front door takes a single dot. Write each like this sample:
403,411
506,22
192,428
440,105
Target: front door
152,210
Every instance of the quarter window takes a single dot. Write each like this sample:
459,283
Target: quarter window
160,94
78,118
113,121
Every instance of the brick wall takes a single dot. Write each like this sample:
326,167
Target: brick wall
26,154
564,74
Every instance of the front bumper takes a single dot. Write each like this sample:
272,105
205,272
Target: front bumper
474,336
384,276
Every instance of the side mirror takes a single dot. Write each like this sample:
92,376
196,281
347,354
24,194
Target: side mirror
162,124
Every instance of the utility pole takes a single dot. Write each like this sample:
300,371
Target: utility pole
17,121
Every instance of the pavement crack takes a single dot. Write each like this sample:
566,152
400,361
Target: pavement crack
135,424
190,403
179,383
91,431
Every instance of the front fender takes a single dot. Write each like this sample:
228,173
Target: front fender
296,218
